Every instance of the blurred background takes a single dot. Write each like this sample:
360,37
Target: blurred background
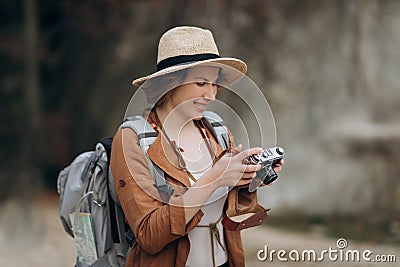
329,69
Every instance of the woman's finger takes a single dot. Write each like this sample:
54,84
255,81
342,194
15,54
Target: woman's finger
243,182
252,168
277,168
236,150
249,175
248,152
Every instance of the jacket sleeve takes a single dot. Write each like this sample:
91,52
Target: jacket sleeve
153,223
240,200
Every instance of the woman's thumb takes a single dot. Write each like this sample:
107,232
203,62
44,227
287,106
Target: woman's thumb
236,150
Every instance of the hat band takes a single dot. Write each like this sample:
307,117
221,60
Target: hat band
172,61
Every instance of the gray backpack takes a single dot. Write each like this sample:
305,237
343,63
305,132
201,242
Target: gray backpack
89,207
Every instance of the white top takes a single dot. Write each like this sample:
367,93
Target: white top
199,237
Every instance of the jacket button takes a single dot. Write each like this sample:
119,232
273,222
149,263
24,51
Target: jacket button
121,183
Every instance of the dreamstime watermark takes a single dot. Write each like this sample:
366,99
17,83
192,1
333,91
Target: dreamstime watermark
340,253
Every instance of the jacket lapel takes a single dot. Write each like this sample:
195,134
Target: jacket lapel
214,144
161,154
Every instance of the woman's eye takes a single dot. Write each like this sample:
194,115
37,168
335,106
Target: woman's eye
200,84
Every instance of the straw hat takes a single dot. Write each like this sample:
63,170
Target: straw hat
185,47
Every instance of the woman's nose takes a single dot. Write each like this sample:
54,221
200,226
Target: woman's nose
210,91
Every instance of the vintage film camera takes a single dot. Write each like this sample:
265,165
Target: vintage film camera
268,158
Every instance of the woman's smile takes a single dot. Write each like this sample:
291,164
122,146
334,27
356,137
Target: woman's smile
202,106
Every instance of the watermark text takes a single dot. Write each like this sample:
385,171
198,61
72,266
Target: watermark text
339,253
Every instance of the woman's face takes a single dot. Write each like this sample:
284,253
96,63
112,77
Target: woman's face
192,97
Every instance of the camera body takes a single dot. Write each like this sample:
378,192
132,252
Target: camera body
268,159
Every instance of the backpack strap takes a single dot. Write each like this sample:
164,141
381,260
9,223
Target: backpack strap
146,136
218,128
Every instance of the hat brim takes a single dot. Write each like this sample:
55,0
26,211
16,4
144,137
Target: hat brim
234,71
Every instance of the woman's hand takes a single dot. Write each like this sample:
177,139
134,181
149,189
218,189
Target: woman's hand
278,167
229,170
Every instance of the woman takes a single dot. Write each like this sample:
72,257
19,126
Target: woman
187,229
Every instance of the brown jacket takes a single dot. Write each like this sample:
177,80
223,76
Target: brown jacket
159,229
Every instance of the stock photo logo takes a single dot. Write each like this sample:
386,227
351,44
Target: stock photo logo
342,252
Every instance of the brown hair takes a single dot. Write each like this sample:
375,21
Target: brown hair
159,89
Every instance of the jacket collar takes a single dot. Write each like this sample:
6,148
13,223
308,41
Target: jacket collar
161,153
